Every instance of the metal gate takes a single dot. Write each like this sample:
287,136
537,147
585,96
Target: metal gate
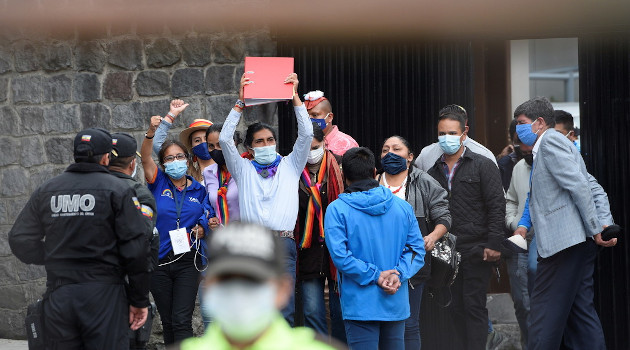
604,62
380,90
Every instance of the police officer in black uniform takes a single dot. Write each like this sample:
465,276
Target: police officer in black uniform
87,228
123,164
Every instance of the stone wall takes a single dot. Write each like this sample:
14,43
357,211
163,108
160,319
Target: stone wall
52,87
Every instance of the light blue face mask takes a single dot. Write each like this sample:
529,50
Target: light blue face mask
450,144
526,135
176,169
265,155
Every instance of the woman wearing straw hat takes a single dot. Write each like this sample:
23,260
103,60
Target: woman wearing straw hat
193,137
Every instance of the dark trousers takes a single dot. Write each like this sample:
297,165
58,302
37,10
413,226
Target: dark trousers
470,315
375,335
412,324
87,316
562,301
174,288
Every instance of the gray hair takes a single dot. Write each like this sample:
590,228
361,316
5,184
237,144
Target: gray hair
537,107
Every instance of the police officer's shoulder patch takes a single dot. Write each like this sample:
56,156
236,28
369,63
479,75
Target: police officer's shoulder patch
147,211
136,202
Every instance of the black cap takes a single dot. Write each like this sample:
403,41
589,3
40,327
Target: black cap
91,142
124,145
245,249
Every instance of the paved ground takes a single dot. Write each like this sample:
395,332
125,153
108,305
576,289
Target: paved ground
500,310
7,344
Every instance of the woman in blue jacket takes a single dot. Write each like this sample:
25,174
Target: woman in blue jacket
183,212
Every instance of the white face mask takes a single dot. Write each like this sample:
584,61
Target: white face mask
243,309
135,169
315,155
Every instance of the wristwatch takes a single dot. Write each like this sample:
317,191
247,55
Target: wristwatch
240,104
147,136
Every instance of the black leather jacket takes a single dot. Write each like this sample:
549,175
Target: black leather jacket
476,202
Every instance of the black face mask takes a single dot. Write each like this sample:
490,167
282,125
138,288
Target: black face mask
217,156
518,152
529,159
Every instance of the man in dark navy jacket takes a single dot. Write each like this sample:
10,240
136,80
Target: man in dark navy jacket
86,227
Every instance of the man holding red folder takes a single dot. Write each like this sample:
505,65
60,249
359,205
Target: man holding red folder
268,184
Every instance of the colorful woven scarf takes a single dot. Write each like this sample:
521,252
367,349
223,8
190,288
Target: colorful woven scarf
222,204
314,206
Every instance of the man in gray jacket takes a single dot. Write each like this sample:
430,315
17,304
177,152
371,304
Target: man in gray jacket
567,229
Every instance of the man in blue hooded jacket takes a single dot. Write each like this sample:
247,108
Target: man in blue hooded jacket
375,243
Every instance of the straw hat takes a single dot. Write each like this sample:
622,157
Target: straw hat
197,124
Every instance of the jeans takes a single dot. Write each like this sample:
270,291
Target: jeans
313,304
174,288
517,270
375,335
205,317
532,265
412,324
288,312
314,308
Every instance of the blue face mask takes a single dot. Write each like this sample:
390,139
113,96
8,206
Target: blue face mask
525,134
176,169
201,151
265,155
320,122
393,164
450,144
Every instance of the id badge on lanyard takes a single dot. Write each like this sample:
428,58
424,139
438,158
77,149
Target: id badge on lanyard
179,237
179,241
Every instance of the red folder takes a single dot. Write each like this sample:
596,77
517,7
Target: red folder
267,74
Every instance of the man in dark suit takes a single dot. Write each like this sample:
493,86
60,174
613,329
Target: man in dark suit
567,231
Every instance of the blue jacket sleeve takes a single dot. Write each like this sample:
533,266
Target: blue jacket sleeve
336,238
412,258
201,244
208,212
526,220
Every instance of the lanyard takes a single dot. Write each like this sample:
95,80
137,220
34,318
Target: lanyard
178,206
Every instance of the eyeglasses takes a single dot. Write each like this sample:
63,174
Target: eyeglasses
178,156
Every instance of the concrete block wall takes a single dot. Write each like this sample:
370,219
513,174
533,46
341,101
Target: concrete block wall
51,87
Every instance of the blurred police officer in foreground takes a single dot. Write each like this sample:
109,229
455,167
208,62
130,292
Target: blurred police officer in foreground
246,287
87,228
123,164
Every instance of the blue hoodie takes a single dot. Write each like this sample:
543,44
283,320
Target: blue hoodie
368,232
